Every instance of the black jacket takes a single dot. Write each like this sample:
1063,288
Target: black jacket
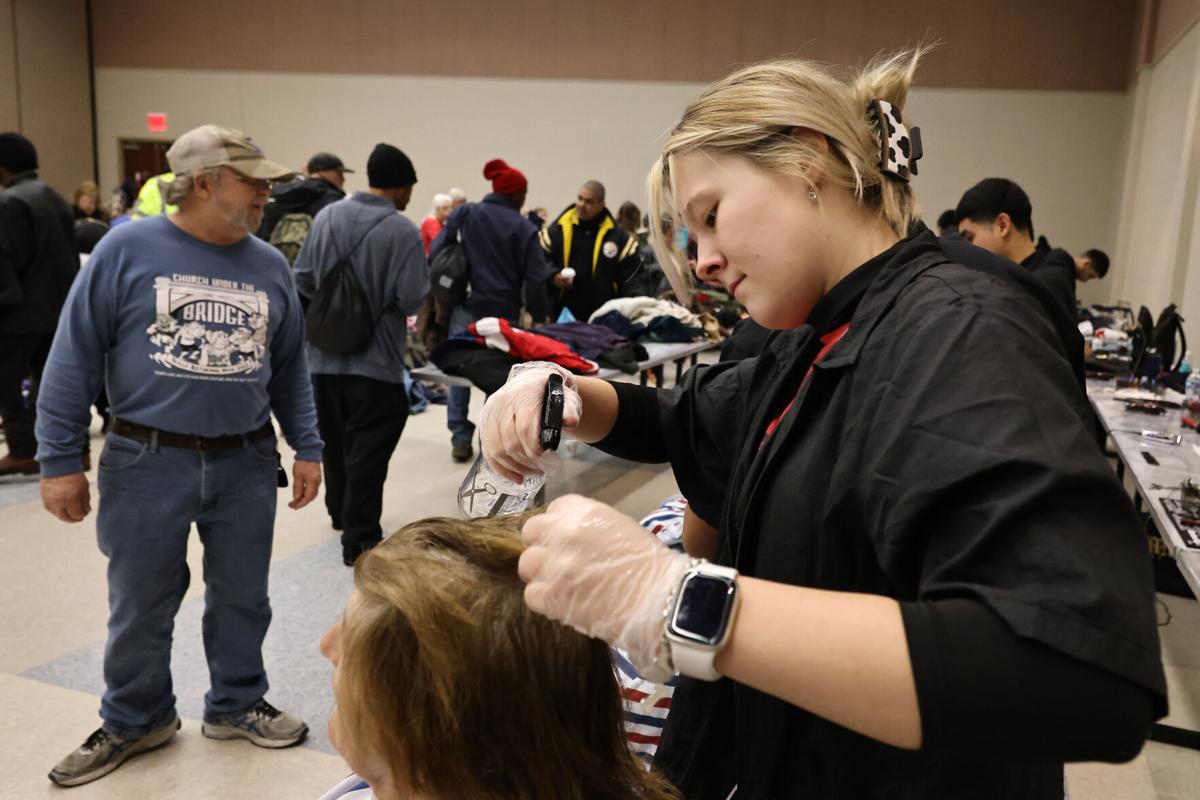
938,451
38,258
1054,268
302,196
603,255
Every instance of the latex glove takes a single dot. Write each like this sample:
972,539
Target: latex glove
511,422
599,571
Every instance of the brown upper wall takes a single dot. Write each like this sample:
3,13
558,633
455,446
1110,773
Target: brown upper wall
1172,19
1017,44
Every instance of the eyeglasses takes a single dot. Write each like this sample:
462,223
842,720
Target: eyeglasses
259,184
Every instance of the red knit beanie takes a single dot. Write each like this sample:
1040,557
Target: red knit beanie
505,179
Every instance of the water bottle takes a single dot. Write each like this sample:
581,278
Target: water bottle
484,493
1192,386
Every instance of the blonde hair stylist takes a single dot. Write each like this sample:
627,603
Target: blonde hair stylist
928,582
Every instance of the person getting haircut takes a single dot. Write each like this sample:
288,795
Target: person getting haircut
449,686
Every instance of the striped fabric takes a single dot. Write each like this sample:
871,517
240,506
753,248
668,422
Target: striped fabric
666,521
646,703
646,707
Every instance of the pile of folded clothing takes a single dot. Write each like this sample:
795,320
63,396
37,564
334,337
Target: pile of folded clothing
598,343
650,320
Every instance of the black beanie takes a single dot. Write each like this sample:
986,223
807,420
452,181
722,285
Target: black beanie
389,168
17,154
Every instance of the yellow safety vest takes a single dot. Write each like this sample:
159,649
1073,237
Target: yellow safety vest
149,201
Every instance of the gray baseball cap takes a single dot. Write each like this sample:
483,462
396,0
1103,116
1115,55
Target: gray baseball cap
215,146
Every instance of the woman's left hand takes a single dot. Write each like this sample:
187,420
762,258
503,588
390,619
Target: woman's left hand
599,571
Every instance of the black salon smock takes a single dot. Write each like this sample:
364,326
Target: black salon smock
939,451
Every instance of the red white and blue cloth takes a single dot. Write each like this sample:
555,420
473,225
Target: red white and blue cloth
647,704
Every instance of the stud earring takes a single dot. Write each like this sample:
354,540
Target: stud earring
812,194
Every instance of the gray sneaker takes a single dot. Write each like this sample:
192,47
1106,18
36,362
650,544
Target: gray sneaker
263,724
103,752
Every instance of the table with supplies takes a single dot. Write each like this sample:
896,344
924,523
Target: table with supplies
1159,469
1164,475
658,354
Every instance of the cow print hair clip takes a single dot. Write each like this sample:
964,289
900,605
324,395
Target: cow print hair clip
899,147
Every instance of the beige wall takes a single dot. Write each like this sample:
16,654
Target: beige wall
44,69
1066,148
1159,233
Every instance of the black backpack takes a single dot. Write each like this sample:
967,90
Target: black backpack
1169,328
339,318
449,272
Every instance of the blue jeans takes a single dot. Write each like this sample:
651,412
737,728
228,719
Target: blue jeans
458,399
149,498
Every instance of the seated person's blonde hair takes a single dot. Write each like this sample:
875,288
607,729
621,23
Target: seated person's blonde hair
449,679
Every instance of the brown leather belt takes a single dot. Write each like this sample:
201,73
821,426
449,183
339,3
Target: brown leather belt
201,443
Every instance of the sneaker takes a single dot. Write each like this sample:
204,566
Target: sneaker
263,724
462,452
103,752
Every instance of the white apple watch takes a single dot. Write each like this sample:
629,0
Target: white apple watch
701,618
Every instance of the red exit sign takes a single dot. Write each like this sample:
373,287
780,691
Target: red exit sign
156,122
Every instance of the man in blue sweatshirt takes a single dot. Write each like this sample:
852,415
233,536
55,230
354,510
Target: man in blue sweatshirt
361,401
195,326
508,271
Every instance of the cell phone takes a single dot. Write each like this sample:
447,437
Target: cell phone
281,478
552,413
1149,458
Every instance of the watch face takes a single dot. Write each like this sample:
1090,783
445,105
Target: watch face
702,613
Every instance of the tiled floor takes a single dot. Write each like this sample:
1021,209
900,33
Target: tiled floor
52,626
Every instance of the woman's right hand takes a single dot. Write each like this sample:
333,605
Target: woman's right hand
510,426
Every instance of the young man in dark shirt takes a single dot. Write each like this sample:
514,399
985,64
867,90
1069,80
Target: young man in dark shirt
996,214
1091,265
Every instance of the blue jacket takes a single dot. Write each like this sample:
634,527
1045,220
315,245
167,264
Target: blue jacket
503,252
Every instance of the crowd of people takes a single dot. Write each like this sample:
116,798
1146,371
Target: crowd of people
909,570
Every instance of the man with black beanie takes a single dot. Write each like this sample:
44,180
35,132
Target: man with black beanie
996,214
362,405
38,262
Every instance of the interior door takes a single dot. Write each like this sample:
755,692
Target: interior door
142,159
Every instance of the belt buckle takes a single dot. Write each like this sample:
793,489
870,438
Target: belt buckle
199,441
